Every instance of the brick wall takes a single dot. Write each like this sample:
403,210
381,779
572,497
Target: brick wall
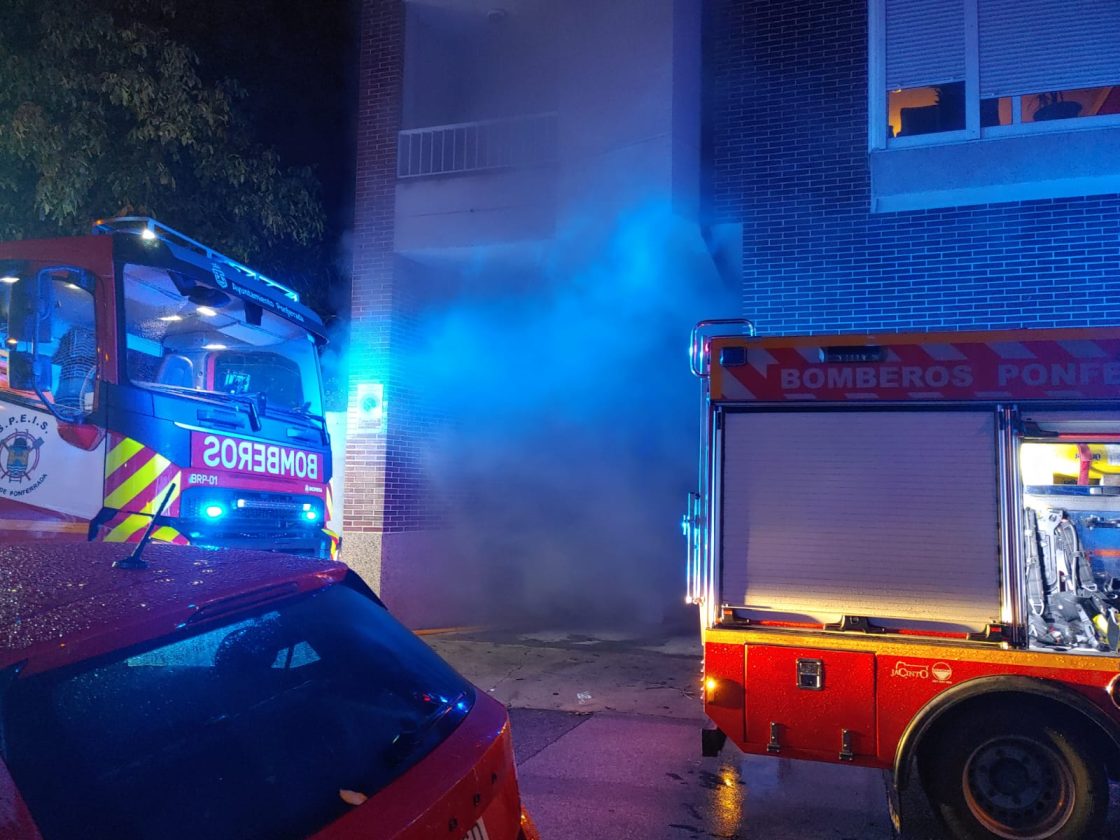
409,504
371,328
385,485
786,97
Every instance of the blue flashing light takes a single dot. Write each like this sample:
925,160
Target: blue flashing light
214,511
311,515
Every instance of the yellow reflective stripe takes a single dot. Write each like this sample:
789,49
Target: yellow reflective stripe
131,524
150,507
120,454
141,478
165,534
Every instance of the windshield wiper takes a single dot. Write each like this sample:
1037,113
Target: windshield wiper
303,410
413,734
248,400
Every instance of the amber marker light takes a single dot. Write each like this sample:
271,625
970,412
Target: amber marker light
1114,690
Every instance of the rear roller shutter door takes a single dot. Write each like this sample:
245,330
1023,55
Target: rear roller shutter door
890,515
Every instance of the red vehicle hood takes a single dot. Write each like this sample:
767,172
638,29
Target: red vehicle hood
64,602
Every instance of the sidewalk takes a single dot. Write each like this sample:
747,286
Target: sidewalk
606,732
608,672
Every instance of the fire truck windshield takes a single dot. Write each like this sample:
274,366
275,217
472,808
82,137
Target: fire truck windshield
181,335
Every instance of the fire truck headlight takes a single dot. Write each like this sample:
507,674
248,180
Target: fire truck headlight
213,510
310,513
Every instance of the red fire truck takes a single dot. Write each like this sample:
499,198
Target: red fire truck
143,374
906,555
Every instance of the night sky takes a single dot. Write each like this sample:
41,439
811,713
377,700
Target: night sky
298,62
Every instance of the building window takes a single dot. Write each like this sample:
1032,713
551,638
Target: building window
944,71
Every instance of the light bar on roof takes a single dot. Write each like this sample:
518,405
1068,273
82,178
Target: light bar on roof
148,228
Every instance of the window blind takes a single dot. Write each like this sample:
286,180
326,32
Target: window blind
1047,45
925,42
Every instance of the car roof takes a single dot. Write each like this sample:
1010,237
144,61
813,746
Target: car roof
64,602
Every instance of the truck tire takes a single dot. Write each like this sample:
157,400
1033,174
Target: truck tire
1014,774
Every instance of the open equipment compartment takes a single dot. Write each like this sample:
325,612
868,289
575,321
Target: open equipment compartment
1070,470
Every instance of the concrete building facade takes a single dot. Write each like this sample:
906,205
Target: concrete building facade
532,173
517,157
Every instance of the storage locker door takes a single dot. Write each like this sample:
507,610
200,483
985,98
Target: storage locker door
885,514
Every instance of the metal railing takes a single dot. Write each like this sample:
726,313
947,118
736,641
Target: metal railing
476,146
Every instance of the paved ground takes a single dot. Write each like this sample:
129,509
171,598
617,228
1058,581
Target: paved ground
606,732
631,776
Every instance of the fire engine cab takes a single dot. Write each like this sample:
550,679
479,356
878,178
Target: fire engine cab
145,375
906,555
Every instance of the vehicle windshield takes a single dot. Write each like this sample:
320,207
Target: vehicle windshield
252,730
191,337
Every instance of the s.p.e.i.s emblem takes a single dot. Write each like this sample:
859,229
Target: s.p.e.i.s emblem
19,456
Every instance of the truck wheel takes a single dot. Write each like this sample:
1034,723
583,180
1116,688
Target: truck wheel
992,775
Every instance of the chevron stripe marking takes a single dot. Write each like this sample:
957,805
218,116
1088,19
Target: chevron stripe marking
168,534
140,478
148,499
120,454
132,525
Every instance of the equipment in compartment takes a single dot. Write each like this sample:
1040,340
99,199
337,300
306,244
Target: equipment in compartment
1072,604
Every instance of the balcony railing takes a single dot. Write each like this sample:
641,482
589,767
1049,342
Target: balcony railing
477,146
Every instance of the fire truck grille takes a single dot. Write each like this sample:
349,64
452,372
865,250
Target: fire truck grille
250,519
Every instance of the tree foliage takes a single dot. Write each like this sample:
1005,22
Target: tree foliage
103,112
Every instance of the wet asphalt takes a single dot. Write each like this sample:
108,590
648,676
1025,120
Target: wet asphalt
606,730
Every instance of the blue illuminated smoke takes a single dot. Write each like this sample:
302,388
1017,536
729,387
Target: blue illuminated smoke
571,440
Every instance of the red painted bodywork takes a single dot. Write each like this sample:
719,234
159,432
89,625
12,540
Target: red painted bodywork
877,686
18,520
66,603
810,721
470,777
726,665
1021,365
875,694
93,253
220,460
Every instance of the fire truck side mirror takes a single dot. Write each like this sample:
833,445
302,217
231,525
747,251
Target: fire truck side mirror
25,371
30,310
84,436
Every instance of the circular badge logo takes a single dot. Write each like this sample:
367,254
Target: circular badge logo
942,672
19,456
